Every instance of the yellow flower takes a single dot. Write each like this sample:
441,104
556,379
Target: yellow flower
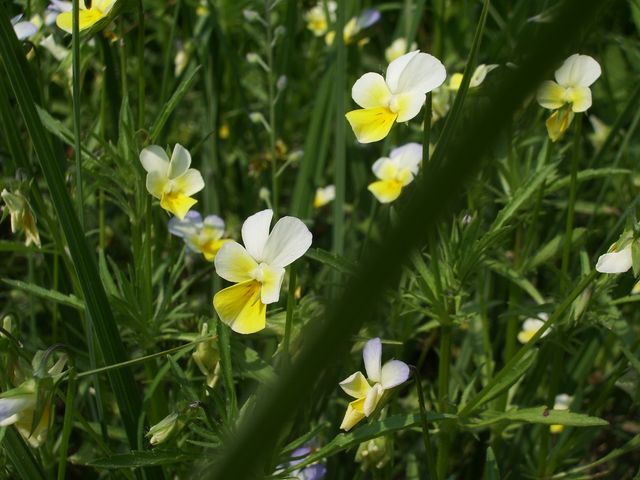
171,181
22,217
396,98
479,74
573,79
398,48
324,195
531,326
202,236
88,16
368,391
257,269
562,402
224,131
395,172
317,20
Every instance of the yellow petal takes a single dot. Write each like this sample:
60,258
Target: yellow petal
525,335
386,191
210,249
354,414
455,81
177,203
356,385
558,123
580,98
87,18
371,124
240,307
556,428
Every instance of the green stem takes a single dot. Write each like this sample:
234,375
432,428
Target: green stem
444,365
224,344
340,147
573,187
275,186
141,86
75,93
426,437
67,424
291,303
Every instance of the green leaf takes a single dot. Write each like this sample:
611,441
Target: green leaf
340,264
143,458
248,363
541,415
491,470
51,295
515,277
369,431
20,456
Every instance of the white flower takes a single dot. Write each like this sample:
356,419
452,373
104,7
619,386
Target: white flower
171,181
398,48
257,269
324,195
479,74
395,172
531,326
368,391
616,261
562,402
573,79
398,97
316,17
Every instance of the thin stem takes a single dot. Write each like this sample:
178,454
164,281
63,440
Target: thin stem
291,303
444,365
426,437
275,187
426,130
69,414
141,86
339,153
566,250
224,345
75,93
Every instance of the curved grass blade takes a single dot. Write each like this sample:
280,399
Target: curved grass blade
441,186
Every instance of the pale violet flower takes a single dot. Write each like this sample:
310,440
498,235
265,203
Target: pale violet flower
201,235
23,28
395,172
368,391
315,471
257,269
398,97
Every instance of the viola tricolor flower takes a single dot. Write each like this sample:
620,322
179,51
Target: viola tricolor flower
562,402
531,326
617,260
320,17
257,269
354,26
324,195
570,93
398,48
479,74
23,28
314,471
368,391
87,15
395,172
201,236
22,217
171,181
398,97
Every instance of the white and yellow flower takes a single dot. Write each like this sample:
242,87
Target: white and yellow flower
171,181
324,195
479,74
88,16
395,172
619,259
354,26
398,48
570,93
368,391
257,269
202,236
398,97
531,326
22,217
562,403
320,17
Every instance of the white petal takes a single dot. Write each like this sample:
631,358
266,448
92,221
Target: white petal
372,355
423,73
371,91
408,156
288,241
394,372
187,227
154,159
372,399
233,263
255,231
379,169
190,182
578,71
271,283
395,68
180,161
480,73
24,30
615,262
408,104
